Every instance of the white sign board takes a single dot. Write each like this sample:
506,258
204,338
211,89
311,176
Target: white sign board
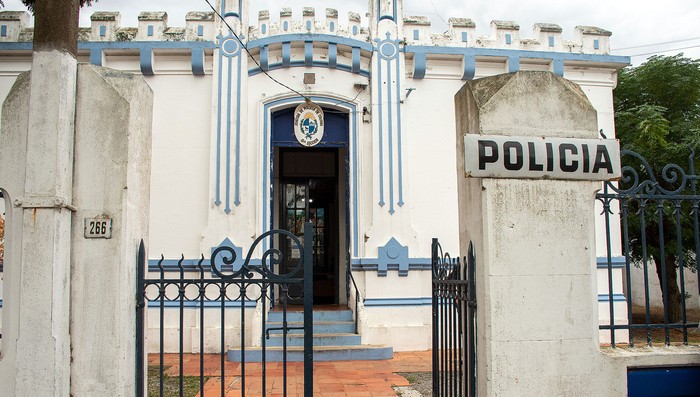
100,227
491,156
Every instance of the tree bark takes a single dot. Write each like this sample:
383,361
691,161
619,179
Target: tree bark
673,301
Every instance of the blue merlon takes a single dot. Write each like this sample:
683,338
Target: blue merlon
334,339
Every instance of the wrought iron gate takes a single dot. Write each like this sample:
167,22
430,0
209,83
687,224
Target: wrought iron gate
454,323
215,289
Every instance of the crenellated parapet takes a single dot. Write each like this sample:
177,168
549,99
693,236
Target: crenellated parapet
308,23
461,32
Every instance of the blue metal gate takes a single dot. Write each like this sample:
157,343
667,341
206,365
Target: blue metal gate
219,289
454,323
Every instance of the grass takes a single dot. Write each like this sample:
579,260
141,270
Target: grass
171,384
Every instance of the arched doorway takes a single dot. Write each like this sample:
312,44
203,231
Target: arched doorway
311,184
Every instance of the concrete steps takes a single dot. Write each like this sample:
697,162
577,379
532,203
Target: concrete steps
334,340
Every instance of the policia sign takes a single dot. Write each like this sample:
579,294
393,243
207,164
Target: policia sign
489,156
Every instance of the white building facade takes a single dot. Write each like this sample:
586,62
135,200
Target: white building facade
379,184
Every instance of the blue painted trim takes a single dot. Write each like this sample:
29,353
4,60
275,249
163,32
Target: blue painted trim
352,109
355,60
616,262
309,53
499,52
332,26
392,253
398,132
149,32
381,124
227,209
596,44
286,55
264,60
263,28
384,17
396,302
197,61
207,304
419,66
416,34
513,64
390,134
96,57
146,61
509,39
237,195
217,200
372,264
3,33
103,31
305,37
308,25
558,67
355,30
465,37
232,14
469,64
319,64
285,26
551,41
616,298
200,30
332,55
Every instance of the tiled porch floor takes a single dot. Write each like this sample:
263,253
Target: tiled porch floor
331,379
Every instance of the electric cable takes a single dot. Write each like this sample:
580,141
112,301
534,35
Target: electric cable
655,44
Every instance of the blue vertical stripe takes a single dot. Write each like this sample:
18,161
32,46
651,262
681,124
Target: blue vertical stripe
146,60
416,34
197,61
469,62
508,38
264,61
558,67
200,30
381,138
309,53
332,55
513,64
285,26
286,54
308,25
228,137
354,30
355,215
237,199
96,56
332,26
398,130
355,60
103,31
263,28
390,137
217,200
465,37
551,41
150,30
596,44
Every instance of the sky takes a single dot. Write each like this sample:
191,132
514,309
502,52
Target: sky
640,27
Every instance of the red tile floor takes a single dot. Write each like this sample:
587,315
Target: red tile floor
331,379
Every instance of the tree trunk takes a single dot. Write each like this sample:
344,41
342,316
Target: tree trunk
673,301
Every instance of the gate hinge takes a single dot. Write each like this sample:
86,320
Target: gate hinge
44,202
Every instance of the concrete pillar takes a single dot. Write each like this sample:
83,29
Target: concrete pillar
534,241
112,183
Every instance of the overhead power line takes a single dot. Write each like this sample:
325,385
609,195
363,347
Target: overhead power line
655,44
662,51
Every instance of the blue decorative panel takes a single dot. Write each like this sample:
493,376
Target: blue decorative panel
354,30
551,41
285,26
308,25
200,30
465,37
263,28
596,44
508,38
416,34
392,253
335,134
150,30
103,31
666,382
332,26
237,261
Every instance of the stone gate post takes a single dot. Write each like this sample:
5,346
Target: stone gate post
527,184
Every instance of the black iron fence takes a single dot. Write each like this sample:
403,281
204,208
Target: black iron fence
652,238
454,323
212,292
